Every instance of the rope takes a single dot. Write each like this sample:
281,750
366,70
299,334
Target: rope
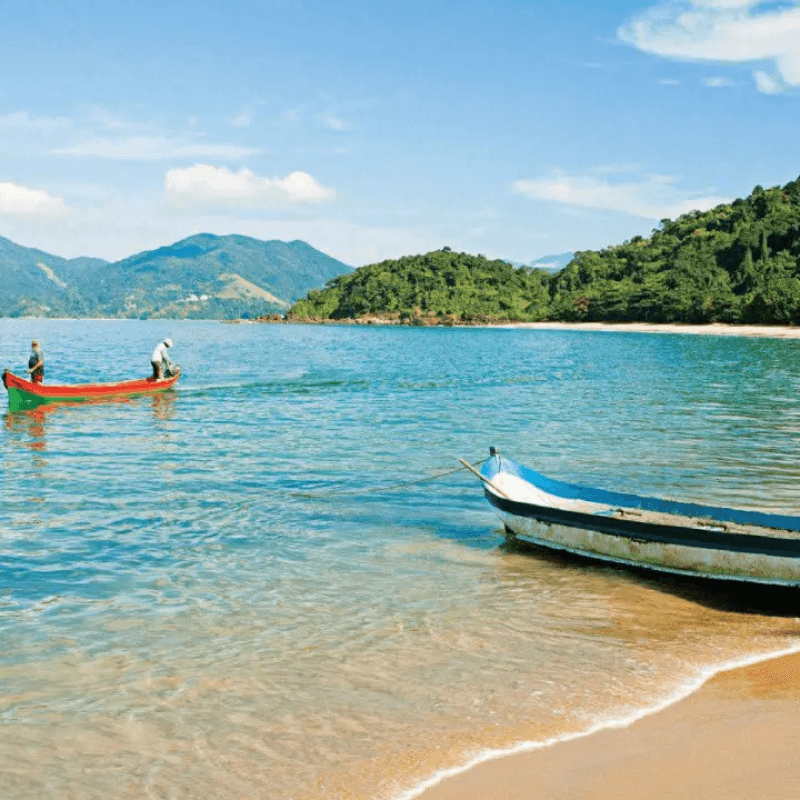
389,488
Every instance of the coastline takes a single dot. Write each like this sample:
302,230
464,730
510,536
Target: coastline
712,329
734,736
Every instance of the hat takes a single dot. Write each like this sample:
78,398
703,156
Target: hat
168,342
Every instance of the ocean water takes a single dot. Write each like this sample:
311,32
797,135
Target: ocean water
277,582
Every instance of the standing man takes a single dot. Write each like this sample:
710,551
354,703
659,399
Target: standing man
160,359
36,363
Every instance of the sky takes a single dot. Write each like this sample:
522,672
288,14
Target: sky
371,130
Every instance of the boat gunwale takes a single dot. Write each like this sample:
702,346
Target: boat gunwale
641,505
28,392
44,389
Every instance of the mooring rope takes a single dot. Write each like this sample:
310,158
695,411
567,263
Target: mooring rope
387,488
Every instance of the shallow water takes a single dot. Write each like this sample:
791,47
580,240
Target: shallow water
276,582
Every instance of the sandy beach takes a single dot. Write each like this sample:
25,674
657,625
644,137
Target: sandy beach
715,329
737,737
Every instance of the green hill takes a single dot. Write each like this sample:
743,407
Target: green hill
737,263
451,286
204,276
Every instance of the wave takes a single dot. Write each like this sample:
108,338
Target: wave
671,698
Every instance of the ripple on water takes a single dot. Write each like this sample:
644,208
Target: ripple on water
241,588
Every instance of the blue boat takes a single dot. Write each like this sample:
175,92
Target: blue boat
644,532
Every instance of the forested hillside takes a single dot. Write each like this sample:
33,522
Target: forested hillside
737,263
450,286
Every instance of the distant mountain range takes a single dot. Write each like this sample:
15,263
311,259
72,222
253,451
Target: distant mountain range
551,263
202,277
547,263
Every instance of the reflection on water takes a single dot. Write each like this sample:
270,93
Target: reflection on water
163,405
28,427
730,596
26,431
32,421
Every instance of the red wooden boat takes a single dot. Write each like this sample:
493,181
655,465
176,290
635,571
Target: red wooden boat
23,393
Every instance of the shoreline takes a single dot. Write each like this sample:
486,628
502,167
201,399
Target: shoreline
709,329
729,733
712,329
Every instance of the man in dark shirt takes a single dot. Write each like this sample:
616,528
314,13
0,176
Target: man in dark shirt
36,363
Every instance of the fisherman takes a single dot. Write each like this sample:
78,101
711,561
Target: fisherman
36,363
162,366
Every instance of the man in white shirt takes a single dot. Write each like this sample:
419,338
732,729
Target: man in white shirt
160,359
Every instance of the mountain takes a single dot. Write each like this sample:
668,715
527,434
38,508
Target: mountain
36,283
204,277
551,263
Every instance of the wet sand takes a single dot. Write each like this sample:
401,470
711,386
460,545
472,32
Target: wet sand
715,329
737,737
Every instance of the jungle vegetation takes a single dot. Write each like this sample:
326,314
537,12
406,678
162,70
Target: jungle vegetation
441,284
736,263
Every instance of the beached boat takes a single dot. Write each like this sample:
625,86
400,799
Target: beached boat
664,535
23,393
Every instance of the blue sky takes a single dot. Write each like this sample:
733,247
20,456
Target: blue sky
376,130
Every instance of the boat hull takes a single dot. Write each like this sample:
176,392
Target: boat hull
25,394
723,544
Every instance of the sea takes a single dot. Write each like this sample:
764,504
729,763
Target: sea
278,582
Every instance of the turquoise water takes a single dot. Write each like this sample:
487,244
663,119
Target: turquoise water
276,582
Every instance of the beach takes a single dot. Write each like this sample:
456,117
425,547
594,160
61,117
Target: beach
711,329
736,737
714,329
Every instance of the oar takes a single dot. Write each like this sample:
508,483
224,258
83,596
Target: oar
484,479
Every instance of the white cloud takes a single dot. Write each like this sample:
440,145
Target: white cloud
290,116
101,117
205,184
717,83
334,123
99,134
122,226
655,197
25,122
722,4
153,148
733,31
244,117
767,84
22,201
